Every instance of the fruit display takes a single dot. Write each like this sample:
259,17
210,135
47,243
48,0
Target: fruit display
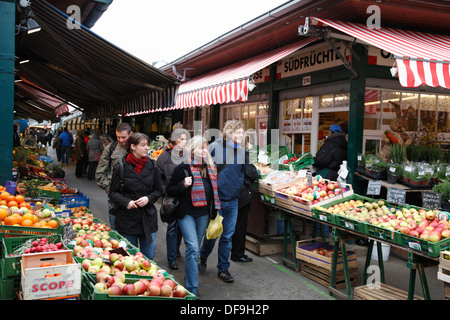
158,286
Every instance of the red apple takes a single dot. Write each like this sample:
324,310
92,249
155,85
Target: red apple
445,234
109,280
430,215
129,290
179,291
114,290
170,282
159,276
414,233
140,287
166,290
434,236
404,230
119,265
154,289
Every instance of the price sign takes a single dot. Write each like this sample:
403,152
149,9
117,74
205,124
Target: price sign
67,232
431,200
374,187
309,179
396,196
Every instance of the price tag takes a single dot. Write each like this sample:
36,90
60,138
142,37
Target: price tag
431,200
374,187
302,173
309,179
396,196
67,232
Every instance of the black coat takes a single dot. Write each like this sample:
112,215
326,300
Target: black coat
148,183
246,192
176,188
332,152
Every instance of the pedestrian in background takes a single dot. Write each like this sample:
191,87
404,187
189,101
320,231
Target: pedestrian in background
95,148
111,155
80,153
137,219
195,185
66,140
57,145
166,162
245,201
230,158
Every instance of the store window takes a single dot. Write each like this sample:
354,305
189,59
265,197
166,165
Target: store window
372,109
444,113
428,104
337,100
410,107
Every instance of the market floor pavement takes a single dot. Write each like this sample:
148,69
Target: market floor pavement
266,278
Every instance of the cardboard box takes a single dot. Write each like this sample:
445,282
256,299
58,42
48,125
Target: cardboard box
53,281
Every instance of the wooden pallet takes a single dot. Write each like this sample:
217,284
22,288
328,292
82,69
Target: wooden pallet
383,292
323,276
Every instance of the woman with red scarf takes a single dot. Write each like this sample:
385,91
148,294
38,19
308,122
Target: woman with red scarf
195,185
137,219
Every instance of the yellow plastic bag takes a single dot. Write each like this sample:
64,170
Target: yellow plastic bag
215,228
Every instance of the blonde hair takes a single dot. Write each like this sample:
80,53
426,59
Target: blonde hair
196,143
230,126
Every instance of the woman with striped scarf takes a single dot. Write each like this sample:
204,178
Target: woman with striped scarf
194,183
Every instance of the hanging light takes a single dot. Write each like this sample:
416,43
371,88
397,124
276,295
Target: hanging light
32,26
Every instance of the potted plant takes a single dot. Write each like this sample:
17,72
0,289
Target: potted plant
361,161
398,153
406,171
444,190
393,171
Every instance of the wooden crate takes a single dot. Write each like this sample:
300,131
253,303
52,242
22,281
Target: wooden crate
383,292
303,254
444,267
264,247
323,275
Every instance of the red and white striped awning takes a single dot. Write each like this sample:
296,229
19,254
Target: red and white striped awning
230,83
422,58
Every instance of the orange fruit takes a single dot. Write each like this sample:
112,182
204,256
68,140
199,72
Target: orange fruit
46,264
18,217
43,223
37,225
19,199
26,223
3,213
25,204
35,218
53,224
10,198
28,216
11,220
4,195
3,203
12,204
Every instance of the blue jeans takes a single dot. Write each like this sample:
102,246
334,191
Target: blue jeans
193,230
229,212
147,248
65,154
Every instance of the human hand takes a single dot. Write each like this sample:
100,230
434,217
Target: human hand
187,181
132,205
141,202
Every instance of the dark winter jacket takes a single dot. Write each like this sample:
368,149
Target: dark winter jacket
332,152
176,188
166,165
246,192
231,177
147,183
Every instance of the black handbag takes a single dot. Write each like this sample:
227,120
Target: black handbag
168,207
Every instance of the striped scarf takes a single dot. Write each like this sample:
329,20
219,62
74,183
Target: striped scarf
198,190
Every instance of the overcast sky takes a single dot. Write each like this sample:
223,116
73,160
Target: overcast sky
166,30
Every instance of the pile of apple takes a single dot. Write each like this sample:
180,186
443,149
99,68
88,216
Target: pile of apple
354,209
322,251
43,245
319,191
115,285
86,224
136,264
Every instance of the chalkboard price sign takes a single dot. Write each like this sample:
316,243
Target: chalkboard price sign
374,187
431,200
396,196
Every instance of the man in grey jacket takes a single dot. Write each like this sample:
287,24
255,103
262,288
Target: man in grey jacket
112,154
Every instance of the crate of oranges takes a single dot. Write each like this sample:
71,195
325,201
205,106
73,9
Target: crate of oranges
50,275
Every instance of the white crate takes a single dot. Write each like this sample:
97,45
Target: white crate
35,284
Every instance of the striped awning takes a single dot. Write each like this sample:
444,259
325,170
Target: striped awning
70,60
230,83
421,58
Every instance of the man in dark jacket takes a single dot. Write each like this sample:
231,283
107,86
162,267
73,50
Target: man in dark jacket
331,154
230,158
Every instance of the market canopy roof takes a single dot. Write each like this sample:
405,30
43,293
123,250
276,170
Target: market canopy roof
230,83
421,58
76,64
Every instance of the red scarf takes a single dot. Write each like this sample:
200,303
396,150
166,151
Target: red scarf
137,163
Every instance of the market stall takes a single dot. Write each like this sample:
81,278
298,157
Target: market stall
420,231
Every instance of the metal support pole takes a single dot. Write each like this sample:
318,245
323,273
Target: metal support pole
7,59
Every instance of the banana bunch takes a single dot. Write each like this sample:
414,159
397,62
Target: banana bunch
49,187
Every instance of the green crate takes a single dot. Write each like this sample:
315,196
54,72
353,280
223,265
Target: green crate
330,217
382,233
19,231
297,165
54,195
268,199
8,288
90,293
432,249
11,266
351,224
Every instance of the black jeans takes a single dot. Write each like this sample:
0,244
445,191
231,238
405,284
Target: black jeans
238,239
